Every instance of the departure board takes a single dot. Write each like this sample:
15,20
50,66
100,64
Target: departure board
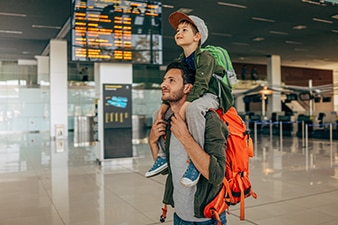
117,31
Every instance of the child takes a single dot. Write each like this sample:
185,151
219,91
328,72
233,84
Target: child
191,33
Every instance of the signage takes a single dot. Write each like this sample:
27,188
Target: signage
117,105
117,31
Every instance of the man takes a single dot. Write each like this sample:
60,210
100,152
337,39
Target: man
207,92
189,202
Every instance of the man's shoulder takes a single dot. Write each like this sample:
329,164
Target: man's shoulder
212,115
215,128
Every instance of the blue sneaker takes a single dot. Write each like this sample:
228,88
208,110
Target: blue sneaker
191,176
159,165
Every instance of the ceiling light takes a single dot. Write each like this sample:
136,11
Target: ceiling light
335,16
231,5
293,42
168,6
334,31
299,27
321,20
278,32
258,39
12,14
10,31
221,34
312,2
185,10
46,27
263,19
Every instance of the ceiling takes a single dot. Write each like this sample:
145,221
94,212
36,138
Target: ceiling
250,30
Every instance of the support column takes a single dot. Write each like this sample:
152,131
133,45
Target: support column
58,87
274,79
43,68
335,96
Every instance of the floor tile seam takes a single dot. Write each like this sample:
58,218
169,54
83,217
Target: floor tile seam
47,193
230,213
290,199
276,202
129,204
132,206
142,174
107,187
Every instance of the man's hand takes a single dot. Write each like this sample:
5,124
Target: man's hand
158,129
199,157
179,127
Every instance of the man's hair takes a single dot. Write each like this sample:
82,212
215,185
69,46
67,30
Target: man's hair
187,75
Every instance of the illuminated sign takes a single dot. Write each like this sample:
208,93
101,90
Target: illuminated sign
117,105
117,31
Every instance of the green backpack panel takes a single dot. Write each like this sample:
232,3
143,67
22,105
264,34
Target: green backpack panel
222,57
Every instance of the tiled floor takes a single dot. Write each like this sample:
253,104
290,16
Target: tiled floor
42,185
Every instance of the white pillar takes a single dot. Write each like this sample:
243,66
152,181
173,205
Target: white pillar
335,96
239,103
274,79
43,68
58,86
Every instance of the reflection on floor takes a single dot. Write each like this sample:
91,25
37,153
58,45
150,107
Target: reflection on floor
49,183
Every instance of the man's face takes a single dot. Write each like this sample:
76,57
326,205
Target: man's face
172,86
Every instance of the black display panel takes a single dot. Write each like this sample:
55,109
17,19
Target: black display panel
117,105
117,121
117,31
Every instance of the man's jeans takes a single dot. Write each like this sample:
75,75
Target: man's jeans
179,221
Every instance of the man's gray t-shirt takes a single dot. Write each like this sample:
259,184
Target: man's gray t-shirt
183,196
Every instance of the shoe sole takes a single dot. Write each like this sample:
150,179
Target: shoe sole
188,183
157,171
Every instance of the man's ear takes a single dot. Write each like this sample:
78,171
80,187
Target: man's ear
187,88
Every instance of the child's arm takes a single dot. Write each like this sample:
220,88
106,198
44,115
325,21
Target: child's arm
205,66
163,109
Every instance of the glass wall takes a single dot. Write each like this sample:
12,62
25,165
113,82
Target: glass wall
25,106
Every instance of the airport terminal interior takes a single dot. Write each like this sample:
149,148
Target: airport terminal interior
90,169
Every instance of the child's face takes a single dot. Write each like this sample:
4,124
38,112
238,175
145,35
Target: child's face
186,35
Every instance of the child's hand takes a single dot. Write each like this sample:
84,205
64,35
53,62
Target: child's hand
161,112
160,116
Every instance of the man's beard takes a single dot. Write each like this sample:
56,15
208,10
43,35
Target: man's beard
174,97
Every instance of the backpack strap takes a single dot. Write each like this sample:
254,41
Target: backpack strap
164,213
242,212
219,80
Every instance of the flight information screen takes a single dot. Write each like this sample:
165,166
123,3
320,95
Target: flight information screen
117,31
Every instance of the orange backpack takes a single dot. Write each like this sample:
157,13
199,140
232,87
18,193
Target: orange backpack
236,184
